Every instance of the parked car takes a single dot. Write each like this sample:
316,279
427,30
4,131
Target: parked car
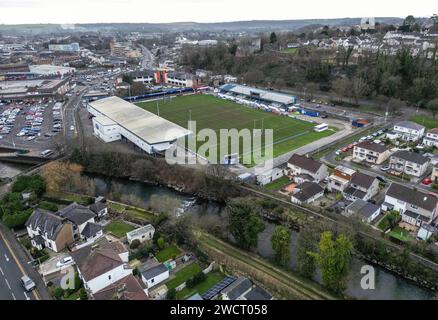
64,261
385,168
381,179
344,149
27,283
426,181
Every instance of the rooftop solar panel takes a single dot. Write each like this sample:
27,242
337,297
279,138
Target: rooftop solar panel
216,289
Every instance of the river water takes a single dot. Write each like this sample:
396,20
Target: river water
388,286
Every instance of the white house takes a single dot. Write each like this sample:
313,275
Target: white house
364,210
47,230
340,179
306,192
431,138
411,163
362,186
99,208
155,275
409,131
299,165
142,234
370,152
416,207
79,216
101,265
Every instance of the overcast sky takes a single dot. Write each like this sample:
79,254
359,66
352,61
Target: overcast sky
86,11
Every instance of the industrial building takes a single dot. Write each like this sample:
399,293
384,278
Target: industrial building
116,119
34,89
268,96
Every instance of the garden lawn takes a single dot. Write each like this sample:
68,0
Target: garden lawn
167,253
400,233
277,184
426,121
201,288
183,275
119,228
215,113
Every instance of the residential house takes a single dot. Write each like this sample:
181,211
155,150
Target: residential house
257,293
307,192
47,230
364,210
302,165
79,216
142,234
411,163
416,207
362,186
100,265
339,180
99,208
237,289
370,152
154,275
409,131
91,232
127,288
431,138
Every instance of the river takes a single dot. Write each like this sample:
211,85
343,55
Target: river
388,286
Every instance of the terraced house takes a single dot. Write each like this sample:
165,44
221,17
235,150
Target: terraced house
411,163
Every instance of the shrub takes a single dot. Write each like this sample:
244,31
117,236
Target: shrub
196,279
161,242
135,244
171,294
58,293
16,220
83,294
48,206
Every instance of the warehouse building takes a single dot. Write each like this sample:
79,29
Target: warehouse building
116,119
34,89
268,96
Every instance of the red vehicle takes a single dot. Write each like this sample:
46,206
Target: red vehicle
350,146
344,149
426,181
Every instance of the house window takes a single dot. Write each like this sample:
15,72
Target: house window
152,280
109,277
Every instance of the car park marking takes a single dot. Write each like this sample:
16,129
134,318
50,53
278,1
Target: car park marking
13,295
7,283
27,297
1,271
6,257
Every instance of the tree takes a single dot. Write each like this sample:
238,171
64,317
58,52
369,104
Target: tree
307,242
359,88
333,258
273,38
432,106
244,224
161,242
280,242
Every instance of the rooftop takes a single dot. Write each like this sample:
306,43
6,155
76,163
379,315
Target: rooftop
144,124
410,156
409,125
262,94
305,163
412,196
371,146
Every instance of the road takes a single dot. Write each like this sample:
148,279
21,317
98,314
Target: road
69,115
148,58
10,275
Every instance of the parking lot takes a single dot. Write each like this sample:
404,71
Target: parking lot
30,125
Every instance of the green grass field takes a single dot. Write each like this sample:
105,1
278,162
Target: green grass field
426,121
201,288
119,228
214,113
167,253
183,275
